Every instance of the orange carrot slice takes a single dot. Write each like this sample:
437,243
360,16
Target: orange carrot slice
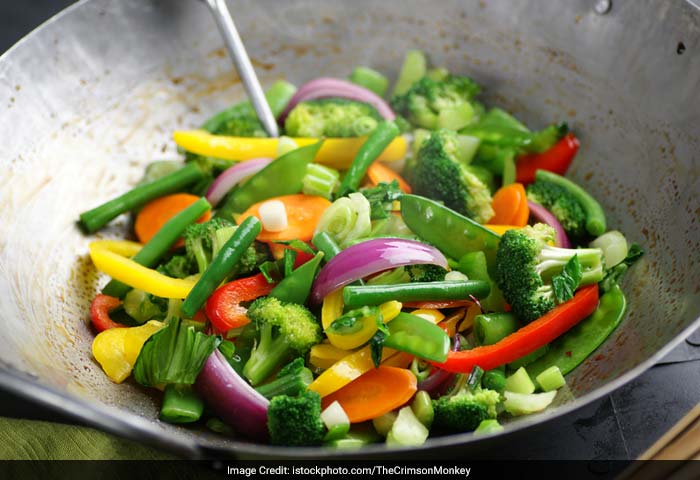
303,213
157,212
378,172
375,393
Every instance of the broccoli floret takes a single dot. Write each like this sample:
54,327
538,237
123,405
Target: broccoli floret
562,204
425,273
429,99
331,117
296,421
438,174
179,266
292,379
204,240
464,411
243,124
525,265
283,329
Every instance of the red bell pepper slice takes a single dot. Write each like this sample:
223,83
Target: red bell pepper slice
557,159
99,312
224,309
529,338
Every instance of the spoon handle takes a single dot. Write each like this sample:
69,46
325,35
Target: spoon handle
236,49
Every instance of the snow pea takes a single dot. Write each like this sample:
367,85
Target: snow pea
572,348
418,336
295,288
450,232
281,177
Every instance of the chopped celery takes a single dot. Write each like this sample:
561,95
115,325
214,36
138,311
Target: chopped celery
551,379
384,423
520,382
370,79
320,180
524,404
407,430
489,425
422,407
413,69
508,170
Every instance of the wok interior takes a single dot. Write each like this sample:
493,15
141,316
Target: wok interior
94,96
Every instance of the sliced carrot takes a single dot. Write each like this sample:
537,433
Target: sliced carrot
510,206
303,213
157,212
379,172
375,393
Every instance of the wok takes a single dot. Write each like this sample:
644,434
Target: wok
94,94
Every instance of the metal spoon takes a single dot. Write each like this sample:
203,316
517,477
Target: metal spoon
236,49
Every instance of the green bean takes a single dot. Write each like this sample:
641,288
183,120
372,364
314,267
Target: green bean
357,296
221,265
375,144
158,246
98,217
490,328
595,216
181,404
326,244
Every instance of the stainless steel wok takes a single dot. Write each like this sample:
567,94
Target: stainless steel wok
94,94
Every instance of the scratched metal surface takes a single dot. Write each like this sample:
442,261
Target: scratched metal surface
83,117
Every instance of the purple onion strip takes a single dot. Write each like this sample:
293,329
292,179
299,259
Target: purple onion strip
543,215
372,256
232,399
233,176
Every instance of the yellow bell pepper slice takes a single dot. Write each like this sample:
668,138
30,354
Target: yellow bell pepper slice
117,349
501,229
346,370
335,152
430,314
399,360
324,355
110,257
333,308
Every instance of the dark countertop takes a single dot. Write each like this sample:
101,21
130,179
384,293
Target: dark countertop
620,426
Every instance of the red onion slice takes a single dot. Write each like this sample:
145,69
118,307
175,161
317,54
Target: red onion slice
543,215
232,399
233,176
326,87
372,256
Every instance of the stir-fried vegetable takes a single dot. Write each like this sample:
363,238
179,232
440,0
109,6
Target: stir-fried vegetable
331,289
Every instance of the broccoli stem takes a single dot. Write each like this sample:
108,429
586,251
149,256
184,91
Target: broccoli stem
291,384
98,217
551,260
269,354
162,241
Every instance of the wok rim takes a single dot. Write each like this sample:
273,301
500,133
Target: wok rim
141,430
